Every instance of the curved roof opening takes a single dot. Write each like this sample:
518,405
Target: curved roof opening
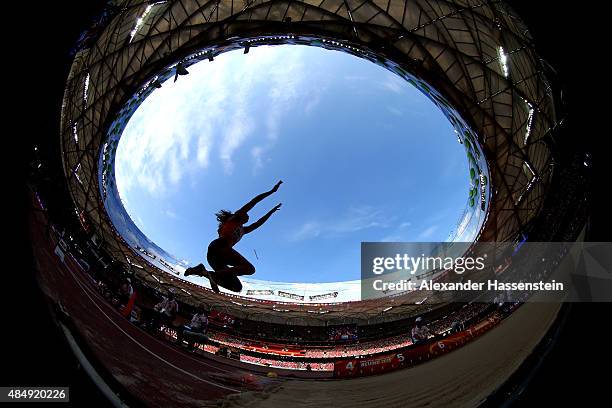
485,76
365,156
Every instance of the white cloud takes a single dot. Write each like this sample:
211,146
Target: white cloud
308,230
256,153
287,91
394,83
356,219
171,214
428,232
234,136
395,111
314,100
138,222
391,238
357,78
359,218
211,114
203,152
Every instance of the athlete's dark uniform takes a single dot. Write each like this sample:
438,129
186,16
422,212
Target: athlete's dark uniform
221,255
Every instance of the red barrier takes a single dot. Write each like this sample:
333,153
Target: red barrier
410,356
221,319
346,368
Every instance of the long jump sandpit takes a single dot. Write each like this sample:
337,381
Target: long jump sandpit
462,378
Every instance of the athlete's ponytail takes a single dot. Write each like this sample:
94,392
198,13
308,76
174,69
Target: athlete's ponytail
223,216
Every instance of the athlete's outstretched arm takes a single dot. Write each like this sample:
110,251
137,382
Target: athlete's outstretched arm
249,206
260,222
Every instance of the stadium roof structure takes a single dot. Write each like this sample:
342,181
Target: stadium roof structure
473,59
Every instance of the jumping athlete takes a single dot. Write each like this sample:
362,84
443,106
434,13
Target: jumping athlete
226,262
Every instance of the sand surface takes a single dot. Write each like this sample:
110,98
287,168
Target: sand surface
462,378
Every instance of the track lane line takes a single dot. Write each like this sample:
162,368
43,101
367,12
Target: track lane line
144,347
199,361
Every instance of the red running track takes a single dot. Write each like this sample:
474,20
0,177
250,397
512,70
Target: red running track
158,373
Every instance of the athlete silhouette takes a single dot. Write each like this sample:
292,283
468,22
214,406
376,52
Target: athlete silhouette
226,262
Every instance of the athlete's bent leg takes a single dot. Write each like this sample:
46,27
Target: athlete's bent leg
240,265
229,281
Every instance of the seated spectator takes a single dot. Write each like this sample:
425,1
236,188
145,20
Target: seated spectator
199,321
195,330
165,312
420,332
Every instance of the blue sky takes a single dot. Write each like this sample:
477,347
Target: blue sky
364,156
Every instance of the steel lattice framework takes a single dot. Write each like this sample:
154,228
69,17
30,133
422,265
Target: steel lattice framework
477,54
